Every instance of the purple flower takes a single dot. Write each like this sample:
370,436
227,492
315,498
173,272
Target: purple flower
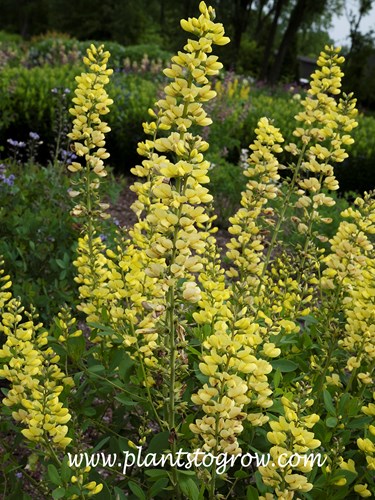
34,136
16,144
7,180
67,155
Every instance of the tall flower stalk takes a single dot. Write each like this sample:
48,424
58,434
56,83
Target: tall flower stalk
171,201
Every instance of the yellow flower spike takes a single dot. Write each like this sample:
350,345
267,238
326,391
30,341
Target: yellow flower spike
91,102
33,391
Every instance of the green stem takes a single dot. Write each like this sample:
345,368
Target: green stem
118,387
149,396
280,220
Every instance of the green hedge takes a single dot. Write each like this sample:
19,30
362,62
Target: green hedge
57,51
28,104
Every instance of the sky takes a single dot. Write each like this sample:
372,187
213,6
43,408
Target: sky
340,29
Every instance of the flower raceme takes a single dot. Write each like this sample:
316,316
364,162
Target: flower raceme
290,434
170,204
88,135
36,379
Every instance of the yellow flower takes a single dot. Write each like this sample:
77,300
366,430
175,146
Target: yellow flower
362,490
90,103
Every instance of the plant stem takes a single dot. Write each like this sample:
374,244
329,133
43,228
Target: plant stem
280,219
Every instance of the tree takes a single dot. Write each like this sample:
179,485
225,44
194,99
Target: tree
302,10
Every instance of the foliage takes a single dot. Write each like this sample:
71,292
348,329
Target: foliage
56,50
29,99
268,357
37,237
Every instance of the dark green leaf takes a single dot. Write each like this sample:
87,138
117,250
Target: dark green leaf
124,400
328,403
188,487
359,423
58,493
158,487
53,475
138,492
331,422
252,493
276,378
159,443
156,473
284,365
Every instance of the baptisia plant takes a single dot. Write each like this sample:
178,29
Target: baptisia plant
163,290
272,353
145,285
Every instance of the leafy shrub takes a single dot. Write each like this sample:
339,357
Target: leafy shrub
37,236
53,51
10,49
29,103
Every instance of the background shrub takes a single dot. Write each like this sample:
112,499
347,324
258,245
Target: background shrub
29,104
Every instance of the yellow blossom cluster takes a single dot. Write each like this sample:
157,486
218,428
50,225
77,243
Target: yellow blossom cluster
237,374
367,444
36,379
88,135
237,377
117,283
292,439
173,193
350,272
326,123
135,285
246,247
67,326
87,489
168,238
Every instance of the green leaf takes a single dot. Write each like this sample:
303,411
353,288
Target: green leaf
194,351
138,492
328,403
331,422
103,329
96,368
343,403
359,423
188,487
284,365
241,474
119,494
76,347
100,444
58,493
158,487
159,443
252,493
66,471
277,378
124,400
53,475
156,473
